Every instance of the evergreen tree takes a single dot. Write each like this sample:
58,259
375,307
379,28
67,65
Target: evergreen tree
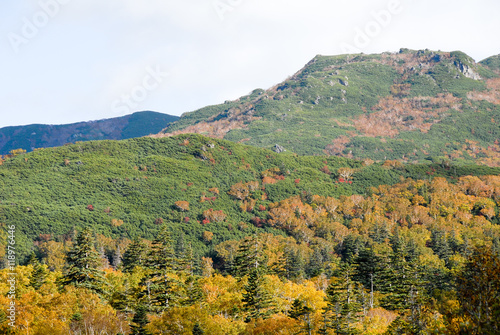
478,291
135,255
157,287
39,274
440,245
122,300
302,313
256,301
294,264
343,302
194,291
197,330
82,265
140,321
250,256
33,259
367,264
315,265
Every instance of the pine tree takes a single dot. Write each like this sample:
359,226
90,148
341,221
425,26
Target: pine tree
122,300
256,301
440,245
478,291
82,265
140,321
135,255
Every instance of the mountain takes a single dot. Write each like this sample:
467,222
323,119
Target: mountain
412,106
35,136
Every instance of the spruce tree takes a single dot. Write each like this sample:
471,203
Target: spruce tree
302,313
250,256
135,255
343,302
194,291
39,274
158,288
256,301
197,330
294,264
82,265
117,258
140,321
315,266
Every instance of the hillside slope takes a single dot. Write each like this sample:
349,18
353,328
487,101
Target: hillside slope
42,136
412,106
122,188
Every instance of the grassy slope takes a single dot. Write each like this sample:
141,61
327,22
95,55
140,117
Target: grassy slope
311,109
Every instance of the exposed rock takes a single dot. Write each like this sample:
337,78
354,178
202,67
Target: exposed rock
278,149
467,71
343,83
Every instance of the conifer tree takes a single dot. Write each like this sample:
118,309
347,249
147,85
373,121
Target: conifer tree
478,290
194,291
135,255
294,264
256,301
343,302
250,256
302,313
197,330
157,287
140,321
82,265
39,274
315,265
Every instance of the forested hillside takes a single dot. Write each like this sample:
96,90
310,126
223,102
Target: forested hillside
196,235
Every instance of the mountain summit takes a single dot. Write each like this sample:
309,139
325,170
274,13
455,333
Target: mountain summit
409,106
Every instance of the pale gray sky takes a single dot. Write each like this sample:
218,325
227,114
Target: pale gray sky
65,61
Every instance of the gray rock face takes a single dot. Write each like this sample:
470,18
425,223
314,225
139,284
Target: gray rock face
467,71
343,83
278,149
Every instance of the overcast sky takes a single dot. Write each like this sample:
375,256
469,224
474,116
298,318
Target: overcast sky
64,61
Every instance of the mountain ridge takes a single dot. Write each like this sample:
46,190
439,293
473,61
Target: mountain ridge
32,136
382,106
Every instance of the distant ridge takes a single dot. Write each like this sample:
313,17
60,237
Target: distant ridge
34,136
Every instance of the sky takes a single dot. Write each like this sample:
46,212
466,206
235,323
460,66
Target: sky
65,61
